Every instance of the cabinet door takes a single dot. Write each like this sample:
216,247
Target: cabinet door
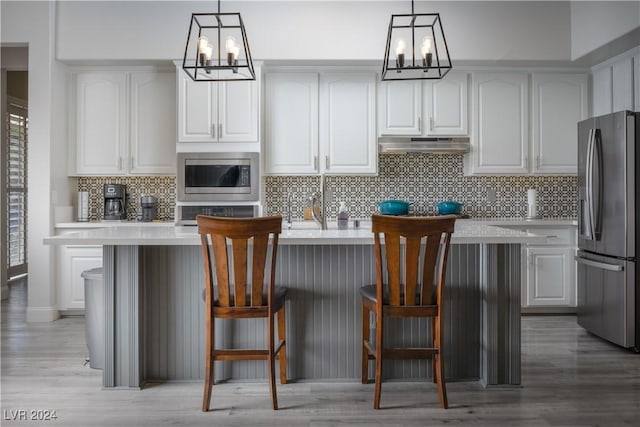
549,276
197,110
73,260
446,105
348,143
153,131
559,103
100,123
602,89
238,111
636,79
622,90
400,108
500,123
291,123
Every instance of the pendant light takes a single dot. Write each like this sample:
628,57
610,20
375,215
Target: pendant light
217,48
416,48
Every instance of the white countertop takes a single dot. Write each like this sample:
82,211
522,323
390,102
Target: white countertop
103,224
467,231
499,221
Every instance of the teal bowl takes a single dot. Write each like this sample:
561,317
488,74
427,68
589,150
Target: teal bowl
449,208
394,207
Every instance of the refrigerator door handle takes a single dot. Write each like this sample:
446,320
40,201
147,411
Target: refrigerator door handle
589,186
597,264
596,203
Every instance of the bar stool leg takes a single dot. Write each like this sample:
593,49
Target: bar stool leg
282,355
379,348
208,365
271,361
366,336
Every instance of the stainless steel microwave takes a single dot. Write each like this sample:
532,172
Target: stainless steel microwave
218,177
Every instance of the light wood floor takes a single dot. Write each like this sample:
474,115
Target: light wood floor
570,378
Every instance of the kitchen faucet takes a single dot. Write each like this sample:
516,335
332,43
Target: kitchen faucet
289,209
318,205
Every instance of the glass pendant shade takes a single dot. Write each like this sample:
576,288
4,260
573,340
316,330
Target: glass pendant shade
217,48
416,48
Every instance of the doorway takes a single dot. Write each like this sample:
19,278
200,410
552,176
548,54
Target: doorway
13,178
16,125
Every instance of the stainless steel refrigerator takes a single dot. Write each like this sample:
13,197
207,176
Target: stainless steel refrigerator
608,173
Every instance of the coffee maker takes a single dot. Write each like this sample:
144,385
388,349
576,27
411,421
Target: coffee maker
115,202
148,208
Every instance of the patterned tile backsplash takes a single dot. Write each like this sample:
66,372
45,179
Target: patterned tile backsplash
162,187
423,179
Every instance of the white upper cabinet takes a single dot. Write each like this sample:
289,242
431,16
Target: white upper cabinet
291,123
622,85
559,102
446,105
217,111
602,91
348,143
320,123
400,107
153,124
429,108
123,123
100,123
500,124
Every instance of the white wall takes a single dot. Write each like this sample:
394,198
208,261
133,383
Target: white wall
313,30
596,23
31,23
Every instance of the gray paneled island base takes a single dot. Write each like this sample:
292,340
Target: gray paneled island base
153,281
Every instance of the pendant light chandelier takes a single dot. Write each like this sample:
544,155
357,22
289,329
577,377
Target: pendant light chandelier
217,48
416,48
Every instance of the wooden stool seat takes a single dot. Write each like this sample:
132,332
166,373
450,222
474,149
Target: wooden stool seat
411,258
240,253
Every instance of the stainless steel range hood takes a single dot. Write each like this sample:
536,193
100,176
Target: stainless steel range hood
406,144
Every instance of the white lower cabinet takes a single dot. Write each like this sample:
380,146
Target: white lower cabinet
72,261
549,270
549,277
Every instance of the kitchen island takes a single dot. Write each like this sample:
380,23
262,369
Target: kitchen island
153,283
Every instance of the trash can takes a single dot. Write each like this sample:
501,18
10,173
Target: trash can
94,316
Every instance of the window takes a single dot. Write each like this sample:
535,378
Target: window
16,127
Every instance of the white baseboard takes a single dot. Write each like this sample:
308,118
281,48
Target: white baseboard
42,314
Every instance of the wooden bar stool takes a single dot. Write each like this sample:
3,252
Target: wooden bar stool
408,291
232,246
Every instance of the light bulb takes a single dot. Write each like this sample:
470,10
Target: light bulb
202,44
232,46
400,47
208,50
426,46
